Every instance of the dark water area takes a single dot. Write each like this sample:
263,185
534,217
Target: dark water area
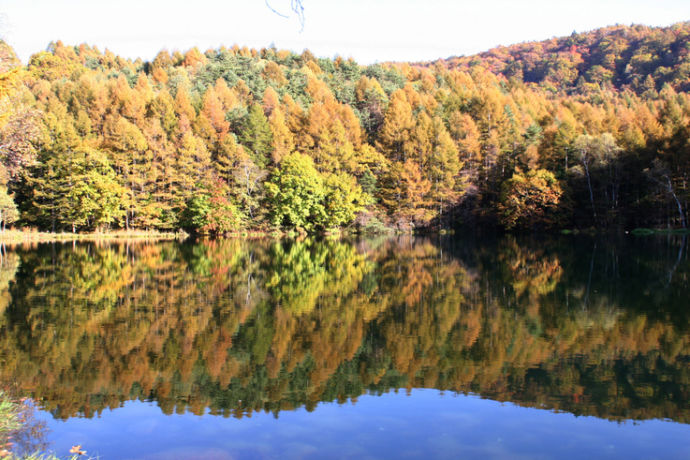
443,347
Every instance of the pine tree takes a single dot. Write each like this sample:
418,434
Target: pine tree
257,137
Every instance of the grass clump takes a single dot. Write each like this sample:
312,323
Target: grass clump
15,422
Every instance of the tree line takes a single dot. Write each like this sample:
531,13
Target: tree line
580,132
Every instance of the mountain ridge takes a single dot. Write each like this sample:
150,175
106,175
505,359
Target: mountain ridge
618,55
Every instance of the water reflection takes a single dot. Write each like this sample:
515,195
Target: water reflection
235,326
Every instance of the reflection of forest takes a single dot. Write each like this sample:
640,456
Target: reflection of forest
237,326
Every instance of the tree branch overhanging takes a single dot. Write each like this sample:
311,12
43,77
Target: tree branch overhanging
296,7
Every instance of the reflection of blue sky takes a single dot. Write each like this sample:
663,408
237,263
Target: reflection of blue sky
425,425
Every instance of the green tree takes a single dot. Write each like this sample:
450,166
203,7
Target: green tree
343,199
212,212
295,193
8,209
256,136
78,189
193,169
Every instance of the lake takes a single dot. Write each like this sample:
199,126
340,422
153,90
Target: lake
406,347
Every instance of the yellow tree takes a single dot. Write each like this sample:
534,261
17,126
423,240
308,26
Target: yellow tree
283,139
270,101
193,163
398,124
212,108
128,147
18,119
529,200
443,168
184,110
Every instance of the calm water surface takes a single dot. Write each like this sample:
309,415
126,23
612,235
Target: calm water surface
383,348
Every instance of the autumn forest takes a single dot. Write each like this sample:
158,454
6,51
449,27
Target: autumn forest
588,131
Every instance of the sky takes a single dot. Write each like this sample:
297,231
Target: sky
367,30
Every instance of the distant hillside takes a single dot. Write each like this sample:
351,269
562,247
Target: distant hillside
637,57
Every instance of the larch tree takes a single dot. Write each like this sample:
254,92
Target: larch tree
283,139
397,127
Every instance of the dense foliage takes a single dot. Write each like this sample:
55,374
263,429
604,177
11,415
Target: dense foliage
640,58
217,141
239,326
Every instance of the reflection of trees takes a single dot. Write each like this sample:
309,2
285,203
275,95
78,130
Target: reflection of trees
305,275
237,326
9,263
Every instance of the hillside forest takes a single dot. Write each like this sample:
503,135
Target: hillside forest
580,132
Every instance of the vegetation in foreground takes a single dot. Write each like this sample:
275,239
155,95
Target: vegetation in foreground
16,425
586,131
32,235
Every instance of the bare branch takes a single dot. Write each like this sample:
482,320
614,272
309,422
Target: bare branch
296,7
276,11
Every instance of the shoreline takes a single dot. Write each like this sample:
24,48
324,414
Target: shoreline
21,236
28,236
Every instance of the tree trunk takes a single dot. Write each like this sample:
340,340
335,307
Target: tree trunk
591,194
678,204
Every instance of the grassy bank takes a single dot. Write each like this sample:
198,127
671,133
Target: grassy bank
660,231
635,232
15,418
